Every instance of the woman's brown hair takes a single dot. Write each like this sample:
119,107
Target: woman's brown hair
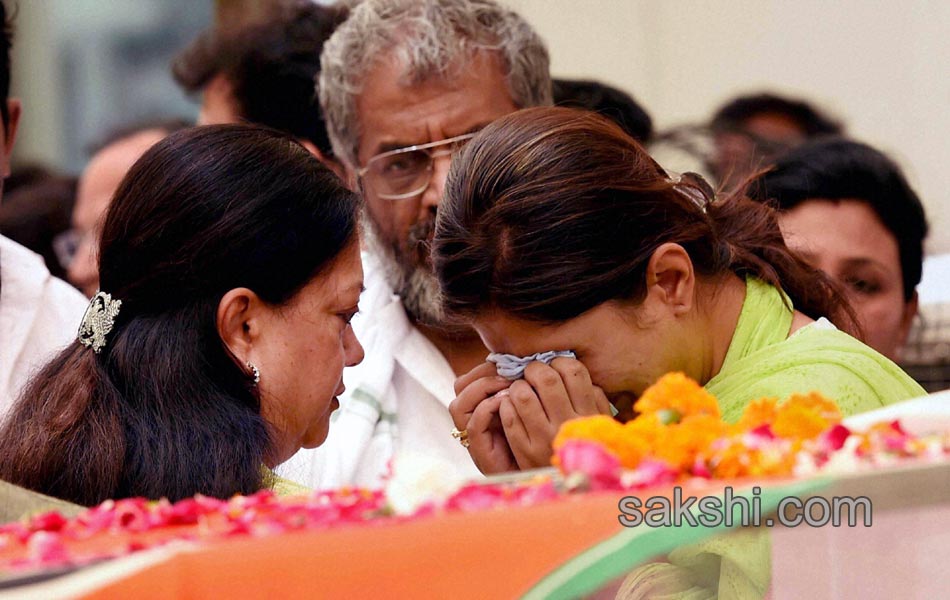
550,212
165,409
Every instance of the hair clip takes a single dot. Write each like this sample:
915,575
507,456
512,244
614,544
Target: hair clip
98,321
695,187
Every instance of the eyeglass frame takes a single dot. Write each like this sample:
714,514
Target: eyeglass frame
361,172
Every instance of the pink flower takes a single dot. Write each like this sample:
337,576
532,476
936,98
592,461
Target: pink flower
184,512
601,467
649,473
534,494
132,514
760,437
701,469
50,521
46,547
833,438
476,497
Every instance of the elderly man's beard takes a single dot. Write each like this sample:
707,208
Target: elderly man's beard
408,271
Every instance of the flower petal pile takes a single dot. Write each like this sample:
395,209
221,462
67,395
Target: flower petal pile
121,527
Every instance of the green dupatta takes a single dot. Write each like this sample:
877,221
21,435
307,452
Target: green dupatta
764,362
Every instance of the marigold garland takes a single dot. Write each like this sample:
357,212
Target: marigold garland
677,392
679,424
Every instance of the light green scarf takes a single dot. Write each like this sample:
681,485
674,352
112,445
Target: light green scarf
764,362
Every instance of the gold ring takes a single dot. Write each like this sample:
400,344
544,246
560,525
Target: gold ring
461,436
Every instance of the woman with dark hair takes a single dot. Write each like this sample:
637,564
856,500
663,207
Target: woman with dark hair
559,233
229,271
876,248
561,241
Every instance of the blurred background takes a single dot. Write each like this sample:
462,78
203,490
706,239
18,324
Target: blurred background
84,67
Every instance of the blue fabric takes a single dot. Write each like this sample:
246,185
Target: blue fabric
512,367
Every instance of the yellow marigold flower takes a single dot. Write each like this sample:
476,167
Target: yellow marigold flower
677,392
816,402
805,416
757,413
772,463
597,428
738,460
646,427
729,462
681,443
604,430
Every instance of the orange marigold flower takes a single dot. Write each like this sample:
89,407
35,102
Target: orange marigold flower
815,401
738,460
677,392
604,430
680,444
757,413
805,416
729,462
647,427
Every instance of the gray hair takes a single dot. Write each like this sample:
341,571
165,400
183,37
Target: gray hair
433,38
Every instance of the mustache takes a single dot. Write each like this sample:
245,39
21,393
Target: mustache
419,236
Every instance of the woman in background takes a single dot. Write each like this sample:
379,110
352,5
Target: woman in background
229,271
875,249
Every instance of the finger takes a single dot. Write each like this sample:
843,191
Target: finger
488,445
529,448
515,431
577,382
486,369
464,404
601,403
481,424
550,389
531,416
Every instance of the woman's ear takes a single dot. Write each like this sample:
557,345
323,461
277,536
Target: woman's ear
907,319
670,277
236,321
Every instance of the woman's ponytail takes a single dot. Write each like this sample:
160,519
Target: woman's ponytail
68,422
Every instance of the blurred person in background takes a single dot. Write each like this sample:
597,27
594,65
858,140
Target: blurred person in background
615,104
78,247
264,73
37,207
875,247
403,85
38,313
752,131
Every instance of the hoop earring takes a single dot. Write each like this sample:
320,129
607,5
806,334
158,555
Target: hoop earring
255,373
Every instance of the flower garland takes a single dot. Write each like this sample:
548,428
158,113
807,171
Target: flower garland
678,433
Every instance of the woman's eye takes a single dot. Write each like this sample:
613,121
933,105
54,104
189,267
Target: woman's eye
348,316
864,286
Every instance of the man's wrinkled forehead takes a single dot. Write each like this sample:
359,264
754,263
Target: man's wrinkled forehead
397,110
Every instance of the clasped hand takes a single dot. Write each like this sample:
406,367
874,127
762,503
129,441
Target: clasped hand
511,424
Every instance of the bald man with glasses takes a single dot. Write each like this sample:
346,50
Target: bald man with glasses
404,84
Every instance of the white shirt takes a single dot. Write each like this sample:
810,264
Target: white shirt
396,401
39,316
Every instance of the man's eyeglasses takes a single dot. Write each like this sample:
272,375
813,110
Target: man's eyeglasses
407,172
